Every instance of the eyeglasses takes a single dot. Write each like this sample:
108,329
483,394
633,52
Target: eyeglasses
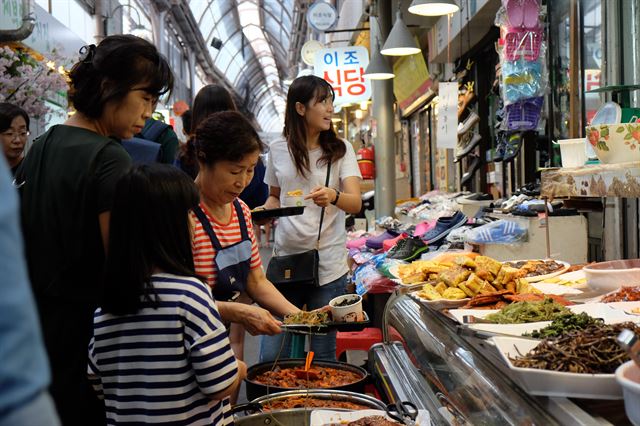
11,135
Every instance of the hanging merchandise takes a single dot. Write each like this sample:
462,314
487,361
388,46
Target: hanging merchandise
523,65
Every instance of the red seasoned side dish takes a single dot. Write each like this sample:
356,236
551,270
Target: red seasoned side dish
625,294
301,401
319,377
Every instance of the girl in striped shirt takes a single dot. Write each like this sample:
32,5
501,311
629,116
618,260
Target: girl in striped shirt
159,352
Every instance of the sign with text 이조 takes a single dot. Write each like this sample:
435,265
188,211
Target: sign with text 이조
321,15
342,67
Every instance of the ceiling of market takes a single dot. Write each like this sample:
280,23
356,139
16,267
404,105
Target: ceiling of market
261,41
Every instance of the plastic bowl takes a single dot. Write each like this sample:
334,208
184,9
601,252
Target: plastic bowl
573,152
628,376
615,143
349,313
611,275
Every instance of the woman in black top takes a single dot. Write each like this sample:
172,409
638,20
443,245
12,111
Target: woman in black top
67,182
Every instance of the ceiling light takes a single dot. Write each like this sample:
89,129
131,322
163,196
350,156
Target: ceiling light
336,119
359,114
433,7
400,41
364,105
379,68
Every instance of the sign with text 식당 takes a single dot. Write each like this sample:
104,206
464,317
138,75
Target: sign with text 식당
342,68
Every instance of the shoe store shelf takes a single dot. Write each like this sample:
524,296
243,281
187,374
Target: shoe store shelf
567,237
602,180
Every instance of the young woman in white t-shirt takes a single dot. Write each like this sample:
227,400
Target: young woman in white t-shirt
299,163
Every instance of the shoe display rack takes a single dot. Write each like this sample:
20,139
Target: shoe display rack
602,180
568,239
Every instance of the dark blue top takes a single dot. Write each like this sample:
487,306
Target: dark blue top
257,192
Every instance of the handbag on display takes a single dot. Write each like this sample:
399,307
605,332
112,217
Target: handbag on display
299,269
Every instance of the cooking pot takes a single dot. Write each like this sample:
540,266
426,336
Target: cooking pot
256,390
298,416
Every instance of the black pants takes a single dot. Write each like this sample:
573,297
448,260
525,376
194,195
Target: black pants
67,328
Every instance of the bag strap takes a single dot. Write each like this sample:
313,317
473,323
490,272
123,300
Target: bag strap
326,183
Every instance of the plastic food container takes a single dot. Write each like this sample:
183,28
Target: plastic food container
611,275
346,313
628,376
573,152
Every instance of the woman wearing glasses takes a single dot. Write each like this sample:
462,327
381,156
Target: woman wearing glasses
14,132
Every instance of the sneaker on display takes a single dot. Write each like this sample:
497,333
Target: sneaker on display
471,120
466,144
407,249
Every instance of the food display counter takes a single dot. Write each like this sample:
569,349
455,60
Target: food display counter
429,359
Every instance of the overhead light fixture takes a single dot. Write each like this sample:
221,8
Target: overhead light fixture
400,41
336,119
137,29
359,114
433,7
364,105
379,68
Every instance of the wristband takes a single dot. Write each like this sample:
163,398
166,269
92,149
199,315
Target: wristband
334,202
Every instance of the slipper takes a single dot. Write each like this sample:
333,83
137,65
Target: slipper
524,114
531,14
515,13
514,143
444,225
525,43
473,168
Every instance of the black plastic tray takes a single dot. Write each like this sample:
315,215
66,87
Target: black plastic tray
279,212
329,326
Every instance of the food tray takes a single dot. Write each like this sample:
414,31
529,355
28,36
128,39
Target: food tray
537,278
327,327
279,212
608,313
322,417
555,383
441,303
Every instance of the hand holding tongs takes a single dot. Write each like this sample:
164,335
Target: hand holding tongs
404,412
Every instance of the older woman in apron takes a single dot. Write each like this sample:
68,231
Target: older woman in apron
224,245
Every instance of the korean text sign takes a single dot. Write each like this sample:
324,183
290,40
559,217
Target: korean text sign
343,67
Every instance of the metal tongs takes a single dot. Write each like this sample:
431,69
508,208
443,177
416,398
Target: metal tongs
404,412
630,342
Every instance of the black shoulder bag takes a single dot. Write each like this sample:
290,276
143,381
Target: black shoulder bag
300,269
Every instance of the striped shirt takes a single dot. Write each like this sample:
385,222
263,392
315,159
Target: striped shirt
228,234
159,366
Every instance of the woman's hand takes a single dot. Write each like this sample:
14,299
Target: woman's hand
259,321
321,196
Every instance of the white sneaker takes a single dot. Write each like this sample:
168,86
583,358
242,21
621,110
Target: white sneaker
466,125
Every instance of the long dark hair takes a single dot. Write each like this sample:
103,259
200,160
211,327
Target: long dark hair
10,111
108,72
210,99
225,136
149,229
306,90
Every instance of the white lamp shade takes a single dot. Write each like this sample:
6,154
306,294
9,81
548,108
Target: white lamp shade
400,41
379,68
433,7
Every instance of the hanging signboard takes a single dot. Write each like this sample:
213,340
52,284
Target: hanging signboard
447,126
321,15
343,67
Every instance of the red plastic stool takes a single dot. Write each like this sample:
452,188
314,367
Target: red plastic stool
357,340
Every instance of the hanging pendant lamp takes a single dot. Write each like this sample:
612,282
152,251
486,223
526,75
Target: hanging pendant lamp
433,7
400,41
379,68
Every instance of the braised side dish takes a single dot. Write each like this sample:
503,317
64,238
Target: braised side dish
535,268
319,377
373,421
593,350
307,318
625,294
304,402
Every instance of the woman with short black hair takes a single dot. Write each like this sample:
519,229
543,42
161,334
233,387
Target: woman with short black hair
151,285
14,132
67,182
225,250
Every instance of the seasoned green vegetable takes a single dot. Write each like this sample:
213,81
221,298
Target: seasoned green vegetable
565,324
522,312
